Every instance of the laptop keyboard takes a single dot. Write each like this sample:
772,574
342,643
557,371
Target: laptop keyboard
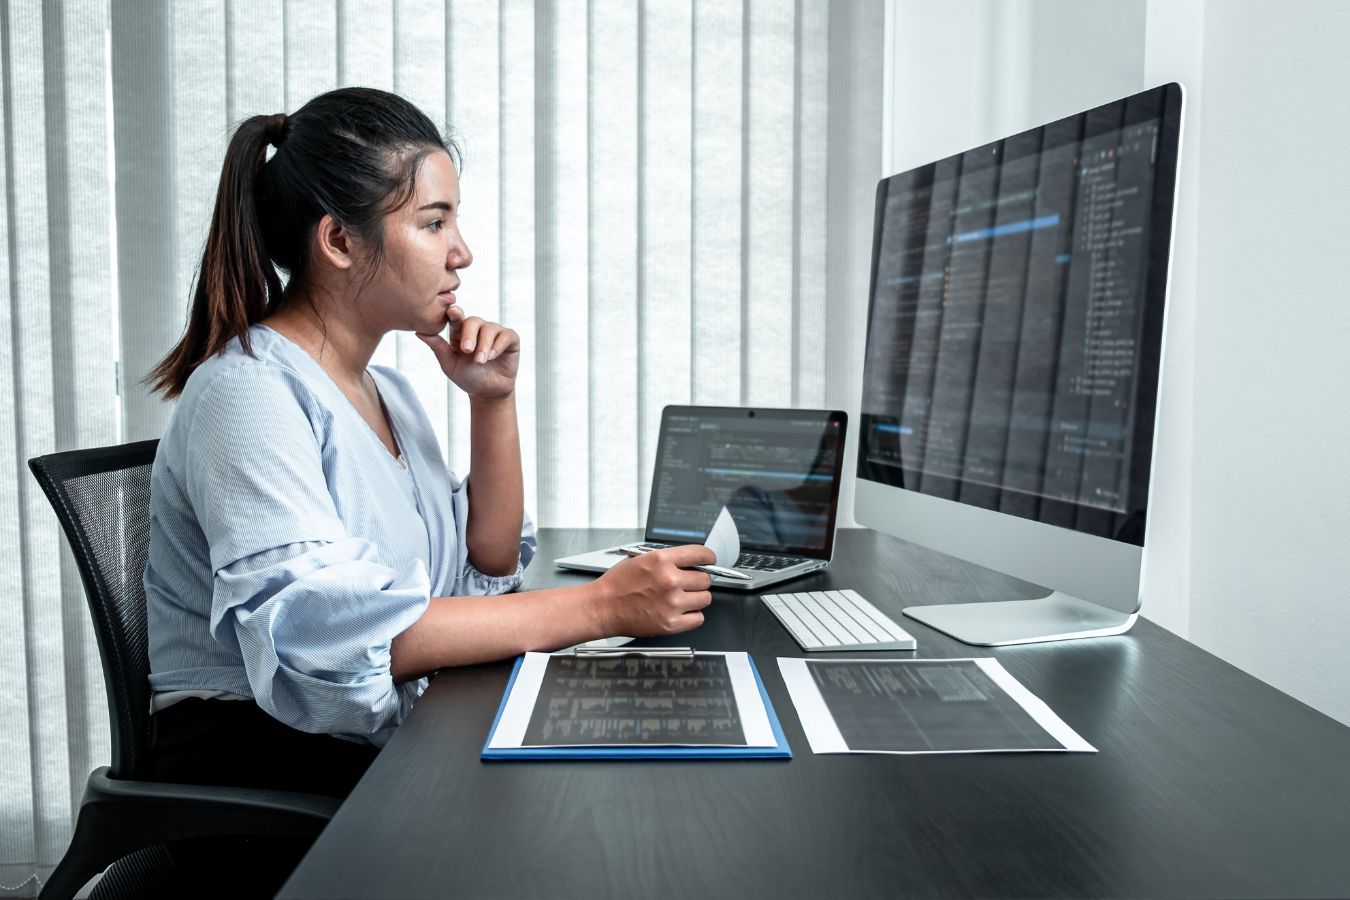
756,562
764,563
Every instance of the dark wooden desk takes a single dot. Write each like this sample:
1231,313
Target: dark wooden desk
1209,783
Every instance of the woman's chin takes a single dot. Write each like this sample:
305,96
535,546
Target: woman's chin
431,325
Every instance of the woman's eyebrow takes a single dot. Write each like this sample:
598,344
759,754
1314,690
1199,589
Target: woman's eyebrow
439,204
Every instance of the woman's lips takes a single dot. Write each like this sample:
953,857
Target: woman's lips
447,297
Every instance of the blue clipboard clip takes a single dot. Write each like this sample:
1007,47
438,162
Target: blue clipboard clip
655,652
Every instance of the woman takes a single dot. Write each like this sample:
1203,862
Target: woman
311,559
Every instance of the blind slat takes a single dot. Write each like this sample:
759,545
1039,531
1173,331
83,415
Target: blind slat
718,189
612,188
770,295
665,220
565,354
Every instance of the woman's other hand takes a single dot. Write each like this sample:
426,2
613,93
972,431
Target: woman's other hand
656,593
480,357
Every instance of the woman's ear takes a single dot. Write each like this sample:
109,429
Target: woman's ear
334,244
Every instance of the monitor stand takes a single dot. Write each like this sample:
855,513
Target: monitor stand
1058,617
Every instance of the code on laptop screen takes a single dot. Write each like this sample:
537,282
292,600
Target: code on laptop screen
776,472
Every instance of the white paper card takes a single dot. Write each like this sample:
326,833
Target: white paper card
724,540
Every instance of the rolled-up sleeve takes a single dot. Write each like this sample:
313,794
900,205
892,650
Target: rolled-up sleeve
311,610
314,623
470,580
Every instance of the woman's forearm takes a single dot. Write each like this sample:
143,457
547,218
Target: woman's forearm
461,631
496,489
658,593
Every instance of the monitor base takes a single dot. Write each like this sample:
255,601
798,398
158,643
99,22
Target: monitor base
1058,617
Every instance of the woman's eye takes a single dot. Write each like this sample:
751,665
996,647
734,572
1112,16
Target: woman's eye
436,225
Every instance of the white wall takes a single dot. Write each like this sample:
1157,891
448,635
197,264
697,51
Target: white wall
970,71
1249,551
1270,587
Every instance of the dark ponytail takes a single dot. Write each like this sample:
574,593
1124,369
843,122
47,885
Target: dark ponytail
352,153
236,283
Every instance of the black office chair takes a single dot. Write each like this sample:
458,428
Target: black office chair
102,498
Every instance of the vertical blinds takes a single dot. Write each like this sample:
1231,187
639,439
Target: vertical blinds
644,190
670,200
57,380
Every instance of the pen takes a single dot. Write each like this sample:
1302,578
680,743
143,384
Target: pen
711,570
678,652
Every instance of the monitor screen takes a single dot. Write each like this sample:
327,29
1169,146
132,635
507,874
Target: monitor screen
776,471
1015,320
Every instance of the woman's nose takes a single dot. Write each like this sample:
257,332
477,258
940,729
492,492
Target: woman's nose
461,257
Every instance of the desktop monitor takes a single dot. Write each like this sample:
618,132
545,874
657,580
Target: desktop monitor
1014,338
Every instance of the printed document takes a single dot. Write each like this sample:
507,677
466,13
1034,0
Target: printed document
709,700
905,706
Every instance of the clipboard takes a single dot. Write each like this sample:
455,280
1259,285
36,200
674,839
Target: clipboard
780,750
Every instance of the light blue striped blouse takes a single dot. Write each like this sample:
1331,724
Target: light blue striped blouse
288,547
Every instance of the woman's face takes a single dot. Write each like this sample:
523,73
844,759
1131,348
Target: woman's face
415,285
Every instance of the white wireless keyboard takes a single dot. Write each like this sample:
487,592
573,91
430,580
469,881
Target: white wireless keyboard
836,620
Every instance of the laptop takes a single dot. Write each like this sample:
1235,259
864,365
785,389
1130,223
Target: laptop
777,471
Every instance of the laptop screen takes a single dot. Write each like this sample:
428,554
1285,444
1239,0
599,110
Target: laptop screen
775,470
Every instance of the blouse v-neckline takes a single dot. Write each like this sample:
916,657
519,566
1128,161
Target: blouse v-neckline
399,456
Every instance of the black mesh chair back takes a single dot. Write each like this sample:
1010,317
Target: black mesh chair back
102,498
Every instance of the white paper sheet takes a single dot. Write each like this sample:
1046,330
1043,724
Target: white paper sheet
824,735
724,540
515,718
